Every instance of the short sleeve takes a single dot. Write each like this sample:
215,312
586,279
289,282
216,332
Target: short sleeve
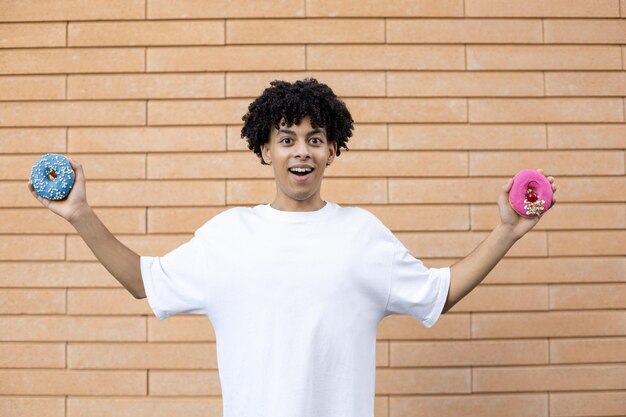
176,282
415,290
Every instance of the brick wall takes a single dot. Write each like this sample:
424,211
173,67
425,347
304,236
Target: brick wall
450,98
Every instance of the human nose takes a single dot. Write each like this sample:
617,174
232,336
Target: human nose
302,150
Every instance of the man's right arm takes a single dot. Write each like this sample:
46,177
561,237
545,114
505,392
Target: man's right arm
121,262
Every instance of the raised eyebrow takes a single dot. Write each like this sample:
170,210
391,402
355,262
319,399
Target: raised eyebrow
312,132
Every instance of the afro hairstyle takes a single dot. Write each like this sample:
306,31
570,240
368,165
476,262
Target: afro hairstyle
293,102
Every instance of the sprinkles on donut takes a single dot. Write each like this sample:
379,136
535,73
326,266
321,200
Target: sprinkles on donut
52,176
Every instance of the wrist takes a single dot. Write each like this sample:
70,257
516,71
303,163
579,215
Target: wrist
79,215
505,233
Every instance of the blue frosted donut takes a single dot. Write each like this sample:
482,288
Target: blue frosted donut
52,176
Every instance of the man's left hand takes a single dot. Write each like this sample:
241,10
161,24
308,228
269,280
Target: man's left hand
518,225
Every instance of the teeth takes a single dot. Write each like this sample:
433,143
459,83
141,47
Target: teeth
301,169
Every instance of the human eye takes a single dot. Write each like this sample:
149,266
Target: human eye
317,139
284,139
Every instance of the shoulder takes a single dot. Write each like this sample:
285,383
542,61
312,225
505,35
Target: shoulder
366,219
223,221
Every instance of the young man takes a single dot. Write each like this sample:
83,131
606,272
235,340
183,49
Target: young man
295,289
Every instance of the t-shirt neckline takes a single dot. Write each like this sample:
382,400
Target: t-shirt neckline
296,215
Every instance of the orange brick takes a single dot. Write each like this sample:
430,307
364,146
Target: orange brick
423,381
71,60
151,245
540,8
143,86
588,162
146,139
192,9
466,136
32,87
32,140
17,35
365,136
460,244
184,383
181,328
591,189
421,217
565,216
401,163
501,110
155,193
552,378
340,190
183,32
55,274
581,136
548,324
380,8
92,302
407,110
143,406
580,350
543,57
468,353
585,31
597,83
474,405
385,57
266,31
35,10
558,270
37,247
67,328
464,84
449,326
100,166
41,301
32,406
464,31
180,220
587,403
586,243
443,190
42,220
141,356
505,298
64,382
72,113
589,296
343,84
206,165
31,355
172,112
226,58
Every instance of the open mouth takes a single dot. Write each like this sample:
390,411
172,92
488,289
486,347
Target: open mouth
301,176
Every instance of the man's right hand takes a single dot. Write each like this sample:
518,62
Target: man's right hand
74,203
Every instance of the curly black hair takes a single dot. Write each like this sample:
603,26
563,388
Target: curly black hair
292,102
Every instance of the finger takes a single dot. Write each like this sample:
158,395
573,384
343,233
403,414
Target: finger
507,186
78,168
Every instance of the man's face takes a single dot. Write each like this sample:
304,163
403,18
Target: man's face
295,146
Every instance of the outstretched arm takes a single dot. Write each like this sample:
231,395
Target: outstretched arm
467,273
119,260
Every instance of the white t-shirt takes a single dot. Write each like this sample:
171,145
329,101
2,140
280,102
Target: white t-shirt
295,299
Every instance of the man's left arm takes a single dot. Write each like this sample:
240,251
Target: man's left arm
467,273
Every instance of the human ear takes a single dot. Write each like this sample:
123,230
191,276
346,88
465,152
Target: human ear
265,152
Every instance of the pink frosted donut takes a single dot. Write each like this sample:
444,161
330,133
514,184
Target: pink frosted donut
531,193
